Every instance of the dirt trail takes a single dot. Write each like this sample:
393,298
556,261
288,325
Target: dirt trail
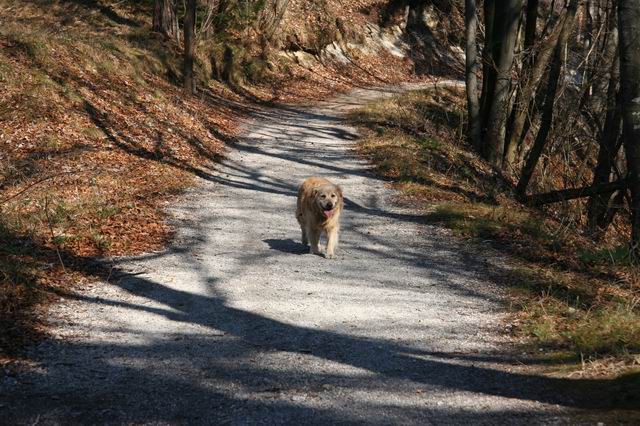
235,323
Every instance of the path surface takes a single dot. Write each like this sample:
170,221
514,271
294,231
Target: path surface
235,323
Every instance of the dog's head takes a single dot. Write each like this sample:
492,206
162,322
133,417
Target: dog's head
328,198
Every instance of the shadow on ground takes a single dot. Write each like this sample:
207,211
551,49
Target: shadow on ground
150,388
241,335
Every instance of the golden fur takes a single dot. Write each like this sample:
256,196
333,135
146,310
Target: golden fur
320,203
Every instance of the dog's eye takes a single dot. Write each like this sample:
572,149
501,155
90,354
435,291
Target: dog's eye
333,195
323,196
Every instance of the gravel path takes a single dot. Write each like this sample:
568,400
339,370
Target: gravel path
235,323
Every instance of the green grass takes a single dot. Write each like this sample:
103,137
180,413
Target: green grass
614,329
482,220
5,70
100,241
429,144
32,44
612,255
106,211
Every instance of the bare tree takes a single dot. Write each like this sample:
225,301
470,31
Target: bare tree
164,18
531,75
212,11
531,23
503,41
629,44
189,46
471,69
548,108
598,208
268,22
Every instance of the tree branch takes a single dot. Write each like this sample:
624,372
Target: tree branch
570,194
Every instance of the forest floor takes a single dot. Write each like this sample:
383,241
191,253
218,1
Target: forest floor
235,323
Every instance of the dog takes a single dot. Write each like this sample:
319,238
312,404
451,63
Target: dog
319,206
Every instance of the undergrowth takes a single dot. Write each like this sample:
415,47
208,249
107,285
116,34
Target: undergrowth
568,294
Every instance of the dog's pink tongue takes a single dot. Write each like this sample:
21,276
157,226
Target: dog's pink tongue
328,213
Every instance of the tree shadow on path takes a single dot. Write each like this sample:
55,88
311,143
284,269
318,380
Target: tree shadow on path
218,374
115,390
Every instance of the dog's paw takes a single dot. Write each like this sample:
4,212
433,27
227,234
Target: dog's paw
330,256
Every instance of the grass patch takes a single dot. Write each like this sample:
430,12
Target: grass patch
567,294
612,329
487,221
618,255
5,71
32,44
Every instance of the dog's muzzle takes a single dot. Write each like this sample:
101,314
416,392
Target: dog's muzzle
327,211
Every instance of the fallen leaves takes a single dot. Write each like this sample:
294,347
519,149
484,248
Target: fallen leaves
95,141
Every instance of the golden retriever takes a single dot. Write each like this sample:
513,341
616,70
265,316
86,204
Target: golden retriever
318,210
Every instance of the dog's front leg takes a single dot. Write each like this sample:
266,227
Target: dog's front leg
314,239
332,242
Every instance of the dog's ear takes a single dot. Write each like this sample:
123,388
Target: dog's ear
339,191
315,191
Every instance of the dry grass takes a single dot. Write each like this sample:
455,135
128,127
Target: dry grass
568,294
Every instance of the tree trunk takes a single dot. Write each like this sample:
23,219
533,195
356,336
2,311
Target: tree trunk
471,68
269,22
488,64
598,205
545,126
629,30
533,73
164,18
547,109
189,46
531,21
505,33
531,15
617,203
